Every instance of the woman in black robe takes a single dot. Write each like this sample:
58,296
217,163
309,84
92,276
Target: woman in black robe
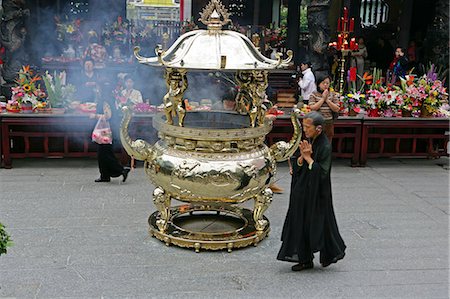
87,82
310,225
108,164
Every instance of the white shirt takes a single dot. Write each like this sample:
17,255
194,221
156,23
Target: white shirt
132,95
307,84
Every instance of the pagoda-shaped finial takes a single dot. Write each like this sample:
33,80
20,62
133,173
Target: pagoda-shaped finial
215,15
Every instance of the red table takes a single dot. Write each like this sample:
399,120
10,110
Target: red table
51,135
395,137
356,138
346,141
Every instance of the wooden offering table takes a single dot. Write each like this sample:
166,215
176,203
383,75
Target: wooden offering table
46,135
53,135
356,138
399,137
346,141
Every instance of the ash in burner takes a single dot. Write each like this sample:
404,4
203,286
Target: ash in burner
216,120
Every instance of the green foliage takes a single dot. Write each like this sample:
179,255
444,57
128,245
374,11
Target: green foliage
303,18
283,15
59,95
5,240
54,90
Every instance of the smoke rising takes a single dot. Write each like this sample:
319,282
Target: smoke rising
49,51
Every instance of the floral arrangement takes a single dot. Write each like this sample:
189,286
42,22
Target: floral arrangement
275,37
305,109
68,31
28,90
141,33
416,97
95,51
443,111
59,94
5,240
353,101
117,33
426,93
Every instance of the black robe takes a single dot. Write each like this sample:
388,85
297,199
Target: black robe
108,164
86,87
310,225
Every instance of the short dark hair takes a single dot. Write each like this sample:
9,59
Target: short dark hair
316,117
401,48
321,78
126,77
306,62
88,58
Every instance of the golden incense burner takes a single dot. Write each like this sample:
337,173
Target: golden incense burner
211,160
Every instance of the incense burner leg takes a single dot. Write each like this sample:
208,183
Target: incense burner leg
162,202
262,202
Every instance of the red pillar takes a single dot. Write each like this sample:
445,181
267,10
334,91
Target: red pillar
181,10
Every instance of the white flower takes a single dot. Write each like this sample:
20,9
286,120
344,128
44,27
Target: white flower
29,99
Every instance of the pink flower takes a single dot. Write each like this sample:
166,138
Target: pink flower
16,89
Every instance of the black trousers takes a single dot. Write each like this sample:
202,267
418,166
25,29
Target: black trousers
108,164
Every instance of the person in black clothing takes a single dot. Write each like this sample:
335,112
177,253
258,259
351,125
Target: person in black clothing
398,66
88,82
310,225
108,164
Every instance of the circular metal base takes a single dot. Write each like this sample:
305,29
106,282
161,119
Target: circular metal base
208,227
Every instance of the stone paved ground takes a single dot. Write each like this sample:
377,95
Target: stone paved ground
75,238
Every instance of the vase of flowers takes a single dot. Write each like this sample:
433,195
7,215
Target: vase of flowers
352,103
423,96
28,91
26,107
69,31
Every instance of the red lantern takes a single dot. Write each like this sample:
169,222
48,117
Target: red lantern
352,75
352,44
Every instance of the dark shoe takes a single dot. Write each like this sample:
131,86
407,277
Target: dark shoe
326,264
100,180
304,266
125,172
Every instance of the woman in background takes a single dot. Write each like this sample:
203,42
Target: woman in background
88,82
108,164
326,102
132,96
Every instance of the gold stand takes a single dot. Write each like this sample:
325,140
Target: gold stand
210,227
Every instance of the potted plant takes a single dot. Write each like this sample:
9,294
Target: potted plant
5,240
59,94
